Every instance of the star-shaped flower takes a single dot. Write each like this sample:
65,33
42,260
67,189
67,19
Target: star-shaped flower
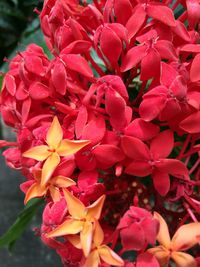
81,220
185,237
56,147
53,185
101,252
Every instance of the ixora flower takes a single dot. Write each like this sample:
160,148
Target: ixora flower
186,237
53,186
81,220
101,252
56,147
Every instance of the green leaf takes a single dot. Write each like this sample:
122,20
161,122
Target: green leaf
24,218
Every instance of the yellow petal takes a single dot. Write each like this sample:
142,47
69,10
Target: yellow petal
183,259
186,236
69,147
49,167
163,236
93,259
69,227
55,193
98,235
75,241
94,210
74,205
34,191
86,238
109,256
62,181
39,153
161,254
54,134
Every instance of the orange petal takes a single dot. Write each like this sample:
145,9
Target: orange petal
74,205
75,241
39,153
161,254
86,238
98,235
34,191
93,259
54,134
55,193
94,210
109,256
62,181
163,236
186,236
69,227
183,259
69,147
49,167
37,174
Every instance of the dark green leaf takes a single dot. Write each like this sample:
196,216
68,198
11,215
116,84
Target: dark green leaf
22,221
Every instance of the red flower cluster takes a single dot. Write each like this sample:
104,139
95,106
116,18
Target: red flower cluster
118,100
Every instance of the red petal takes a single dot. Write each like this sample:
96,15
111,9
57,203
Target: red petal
161,182
134,148
161,13
151,107
59,78
111,45
81,121
150,65
194,70
136,21
147,259
139,168
133,57
113,154
172,166
78,64
166,50
34,65
193,10
141,129
162,145
191,123
10,84
38,91
86,179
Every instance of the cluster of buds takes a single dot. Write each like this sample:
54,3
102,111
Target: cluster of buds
108,130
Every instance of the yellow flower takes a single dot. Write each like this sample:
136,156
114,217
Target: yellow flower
101,252
184,238
36,190
56,147
81,220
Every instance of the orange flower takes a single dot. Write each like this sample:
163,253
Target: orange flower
81,220
185,238
36,190
101,252
56,147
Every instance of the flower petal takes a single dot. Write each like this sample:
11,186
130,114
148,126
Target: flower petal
172,166
186,236
161,182
62,181
69,227
49,167
69,147
161,254
134,148
74,205
139,168
34,191
183,259
94,210
54,134
55,193
39,153
93,259
162,145
109,256
98,235
86,237
163,236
